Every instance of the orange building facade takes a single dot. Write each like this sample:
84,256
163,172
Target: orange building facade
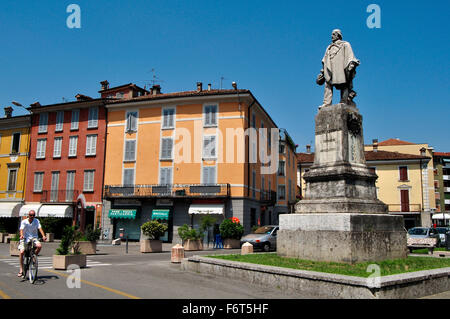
178,156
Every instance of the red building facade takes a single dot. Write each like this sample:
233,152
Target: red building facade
67,153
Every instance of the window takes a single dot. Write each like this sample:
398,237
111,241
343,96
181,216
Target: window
165,175
168,118
403,171
70,184
166,148
54,187
128,176
281,192
75,119
12,176
209,175
38,180
253,184
40,148
93,117
88,184
43,119
131,122
91,145
57,147
130,150
210,115
15,143
281,168
209,146
59,121
73,142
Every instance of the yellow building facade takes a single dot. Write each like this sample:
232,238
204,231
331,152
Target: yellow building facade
14,148
182,155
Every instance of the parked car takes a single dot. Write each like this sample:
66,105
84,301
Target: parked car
442,231
264,237
422,237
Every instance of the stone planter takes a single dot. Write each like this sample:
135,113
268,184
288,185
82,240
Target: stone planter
151,246
191,244
62,262
13,248
2,237
229,243
50,237
87,247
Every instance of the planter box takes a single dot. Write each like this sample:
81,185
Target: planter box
193,244
2,237
87,247
13,248
151,246
50,237
229,243
63,261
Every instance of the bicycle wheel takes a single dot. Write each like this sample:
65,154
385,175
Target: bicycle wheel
33,269
26,262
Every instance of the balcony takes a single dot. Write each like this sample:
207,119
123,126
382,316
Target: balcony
59,196
398,208
167,191
268,197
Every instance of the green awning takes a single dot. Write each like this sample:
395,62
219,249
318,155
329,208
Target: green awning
160,214
122,213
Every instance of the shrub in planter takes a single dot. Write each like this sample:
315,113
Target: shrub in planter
231,232
69,243
14,245
88,242
192,239
153,230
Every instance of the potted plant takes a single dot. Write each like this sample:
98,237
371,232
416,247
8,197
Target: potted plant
88,242
68,252
231,232
152,230
14,245
192,239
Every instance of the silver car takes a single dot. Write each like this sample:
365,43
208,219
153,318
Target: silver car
264,237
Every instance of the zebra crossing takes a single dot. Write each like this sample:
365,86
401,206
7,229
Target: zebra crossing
47,262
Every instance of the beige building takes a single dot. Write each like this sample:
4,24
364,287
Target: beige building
405,178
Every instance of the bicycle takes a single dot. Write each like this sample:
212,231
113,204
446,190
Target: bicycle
30,262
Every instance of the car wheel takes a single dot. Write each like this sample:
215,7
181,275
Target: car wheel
266,247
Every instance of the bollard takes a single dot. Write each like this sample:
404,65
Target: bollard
247,248
177,253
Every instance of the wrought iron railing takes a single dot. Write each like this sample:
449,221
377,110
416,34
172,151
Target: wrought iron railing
59,196
165,191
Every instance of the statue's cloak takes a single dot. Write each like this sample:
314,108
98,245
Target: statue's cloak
338,56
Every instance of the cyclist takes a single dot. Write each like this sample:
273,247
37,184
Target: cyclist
29,231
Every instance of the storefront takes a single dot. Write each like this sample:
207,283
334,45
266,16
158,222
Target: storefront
163,216
127,219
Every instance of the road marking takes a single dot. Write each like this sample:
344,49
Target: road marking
118,292
3,295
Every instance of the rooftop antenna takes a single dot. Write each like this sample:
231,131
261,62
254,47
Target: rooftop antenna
221,81
154,79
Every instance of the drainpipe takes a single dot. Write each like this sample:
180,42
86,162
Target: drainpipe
248,149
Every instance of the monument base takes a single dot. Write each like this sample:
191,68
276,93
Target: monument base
341,237
341,205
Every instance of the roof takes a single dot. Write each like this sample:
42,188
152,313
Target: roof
443,154
394,141
369,156
123,86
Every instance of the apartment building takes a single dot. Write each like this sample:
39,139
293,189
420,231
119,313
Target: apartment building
441,162
178,156
14,147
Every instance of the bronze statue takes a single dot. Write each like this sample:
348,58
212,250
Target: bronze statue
338,70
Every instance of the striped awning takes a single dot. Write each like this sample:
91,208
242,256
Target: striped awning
160,214
206,209
26,208
122,213
61,211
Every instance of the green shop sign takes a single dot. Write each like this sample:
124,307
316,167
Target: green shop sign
122,213
160,214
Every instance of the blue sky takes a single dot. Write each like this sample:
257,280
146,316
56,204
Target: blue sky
272,48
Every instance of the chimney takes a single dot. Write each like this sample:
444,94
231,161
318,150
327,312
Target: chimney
209,86
81,97
308,149
35,104
156,89
423,151
199,86
8,111
375,145
105,85
234,85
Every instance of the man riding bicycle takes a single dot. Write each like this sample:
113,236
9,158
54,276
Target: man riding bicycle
29,231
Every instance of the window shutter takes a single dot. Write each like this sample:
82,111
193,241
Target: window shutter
166,152
130,150
93,117
75,119
128,176
205,175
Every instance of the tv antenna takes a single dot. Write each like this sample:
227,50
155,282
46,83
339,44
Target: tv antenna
154,79
221,81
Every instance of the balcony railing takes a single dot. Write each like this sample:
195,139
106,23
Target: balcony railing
168,191
398,208
269,197
59,196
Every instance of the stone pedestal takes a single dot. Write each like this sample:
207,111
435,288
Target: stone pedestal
246,249
341,219
177,254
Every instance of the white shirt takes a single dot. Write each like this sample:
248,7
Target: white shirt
30,230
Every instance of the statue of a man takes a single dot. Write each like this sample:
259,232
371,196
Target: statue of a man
338,70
